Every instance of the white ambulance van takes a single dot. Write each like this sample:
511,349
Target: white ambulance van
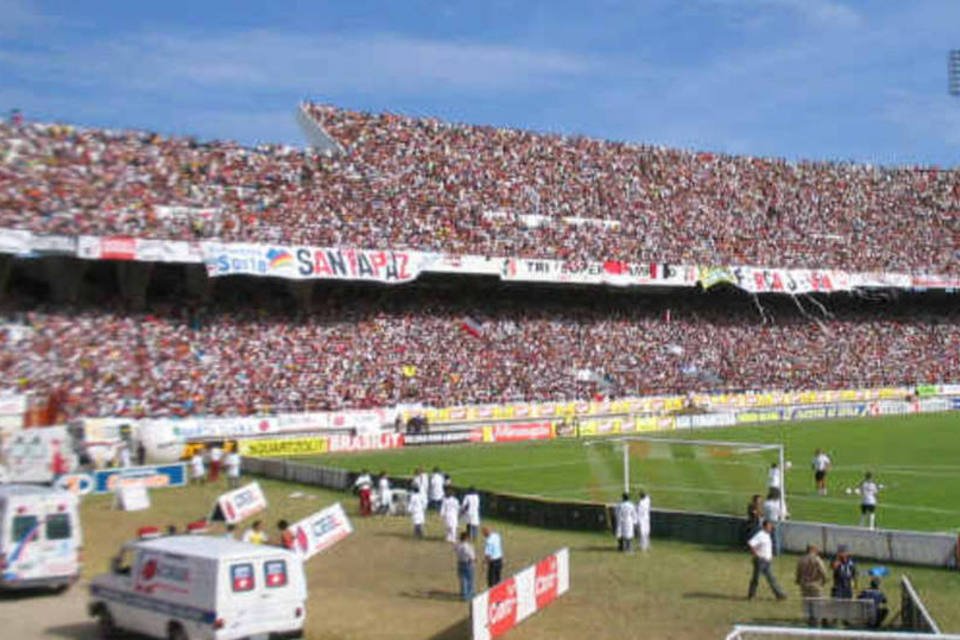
40,537
201,587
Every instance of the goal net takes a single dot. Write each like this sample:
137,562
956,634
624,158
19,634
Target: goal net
710,476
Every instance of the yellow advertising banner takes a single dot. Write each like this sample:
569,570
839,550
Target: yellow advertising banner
282,447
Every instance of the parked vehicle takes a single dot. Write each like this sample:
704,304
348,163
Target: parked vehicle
201,587
40,537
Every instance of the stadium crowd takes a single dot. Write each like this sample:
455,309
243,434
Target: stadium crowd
363,348
403,182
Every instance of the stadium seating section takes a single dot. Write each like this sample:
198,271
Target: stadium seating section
423,184
370,347
403,182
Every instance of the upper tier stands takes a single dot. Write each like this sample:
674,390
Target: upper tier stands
420,183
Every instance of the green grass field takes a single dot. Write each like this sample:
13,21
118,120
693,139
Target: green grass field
916,458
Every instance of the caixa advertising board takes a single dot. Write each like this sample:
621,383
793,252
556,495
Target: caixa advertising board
504,606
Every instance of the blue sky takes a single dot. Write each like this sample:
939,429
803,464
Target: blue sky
821,79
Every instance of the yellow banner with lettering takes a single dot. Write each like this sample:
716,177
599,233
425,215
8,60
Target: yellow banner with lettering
282,447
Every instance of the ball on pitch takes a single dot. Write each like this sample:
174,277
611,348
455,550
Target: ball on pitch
788,464
848,490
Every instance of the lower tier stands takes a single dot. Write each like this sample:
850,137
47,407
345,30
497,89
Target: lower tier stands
362,347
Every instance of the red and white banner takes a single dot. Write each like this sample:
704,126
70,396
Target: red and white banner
519,431
610,272
339,444
238,505
138,249
496,611
320,531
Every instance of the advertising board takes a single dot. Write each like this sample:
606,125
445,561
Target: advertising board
443,437
265,448
320,531
238,505
501,608
519,431
157,476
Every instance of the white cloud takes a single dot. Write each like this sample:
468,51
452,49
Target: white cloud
828,14
274,61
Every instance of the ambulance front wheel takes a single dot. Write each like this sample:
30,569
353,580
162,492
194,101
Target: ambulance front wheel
108,628
176,632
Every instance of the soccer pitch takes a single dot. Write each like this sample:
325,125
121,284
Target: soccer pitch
915,458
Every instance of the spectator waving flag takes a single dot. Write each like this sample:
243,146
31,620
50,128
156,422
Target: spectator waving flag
471,326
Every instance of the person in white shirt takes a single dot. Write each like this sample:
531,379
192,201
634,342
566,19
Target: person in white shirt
626,523
436,488
232,464
384,494
417,508
643,521
422,478
761,548
363,485
868,500
772,513
450,513
125,456
197,470
493,556
774,477
471,510
821,464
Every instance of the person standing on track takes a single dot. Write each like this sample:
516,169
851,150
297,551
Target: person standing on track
232,463
643,521
471,511
466,559
844,574
493,556
761,548
384,494
821,464
811,577
417,508
363,485
197,472
450,513
422,479
626,523
868,500
436,489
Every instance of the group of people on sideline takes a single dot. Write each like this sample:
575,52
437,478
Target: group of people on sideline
459,516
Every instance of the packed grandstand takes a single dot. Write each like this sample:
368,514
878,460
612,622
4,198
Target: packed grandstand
394,183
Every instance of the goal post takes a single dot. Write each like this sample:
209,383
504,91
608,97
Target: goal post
712,450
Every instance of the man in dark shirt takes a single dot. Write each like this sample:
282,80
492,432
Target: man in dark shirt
874,593
844,574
